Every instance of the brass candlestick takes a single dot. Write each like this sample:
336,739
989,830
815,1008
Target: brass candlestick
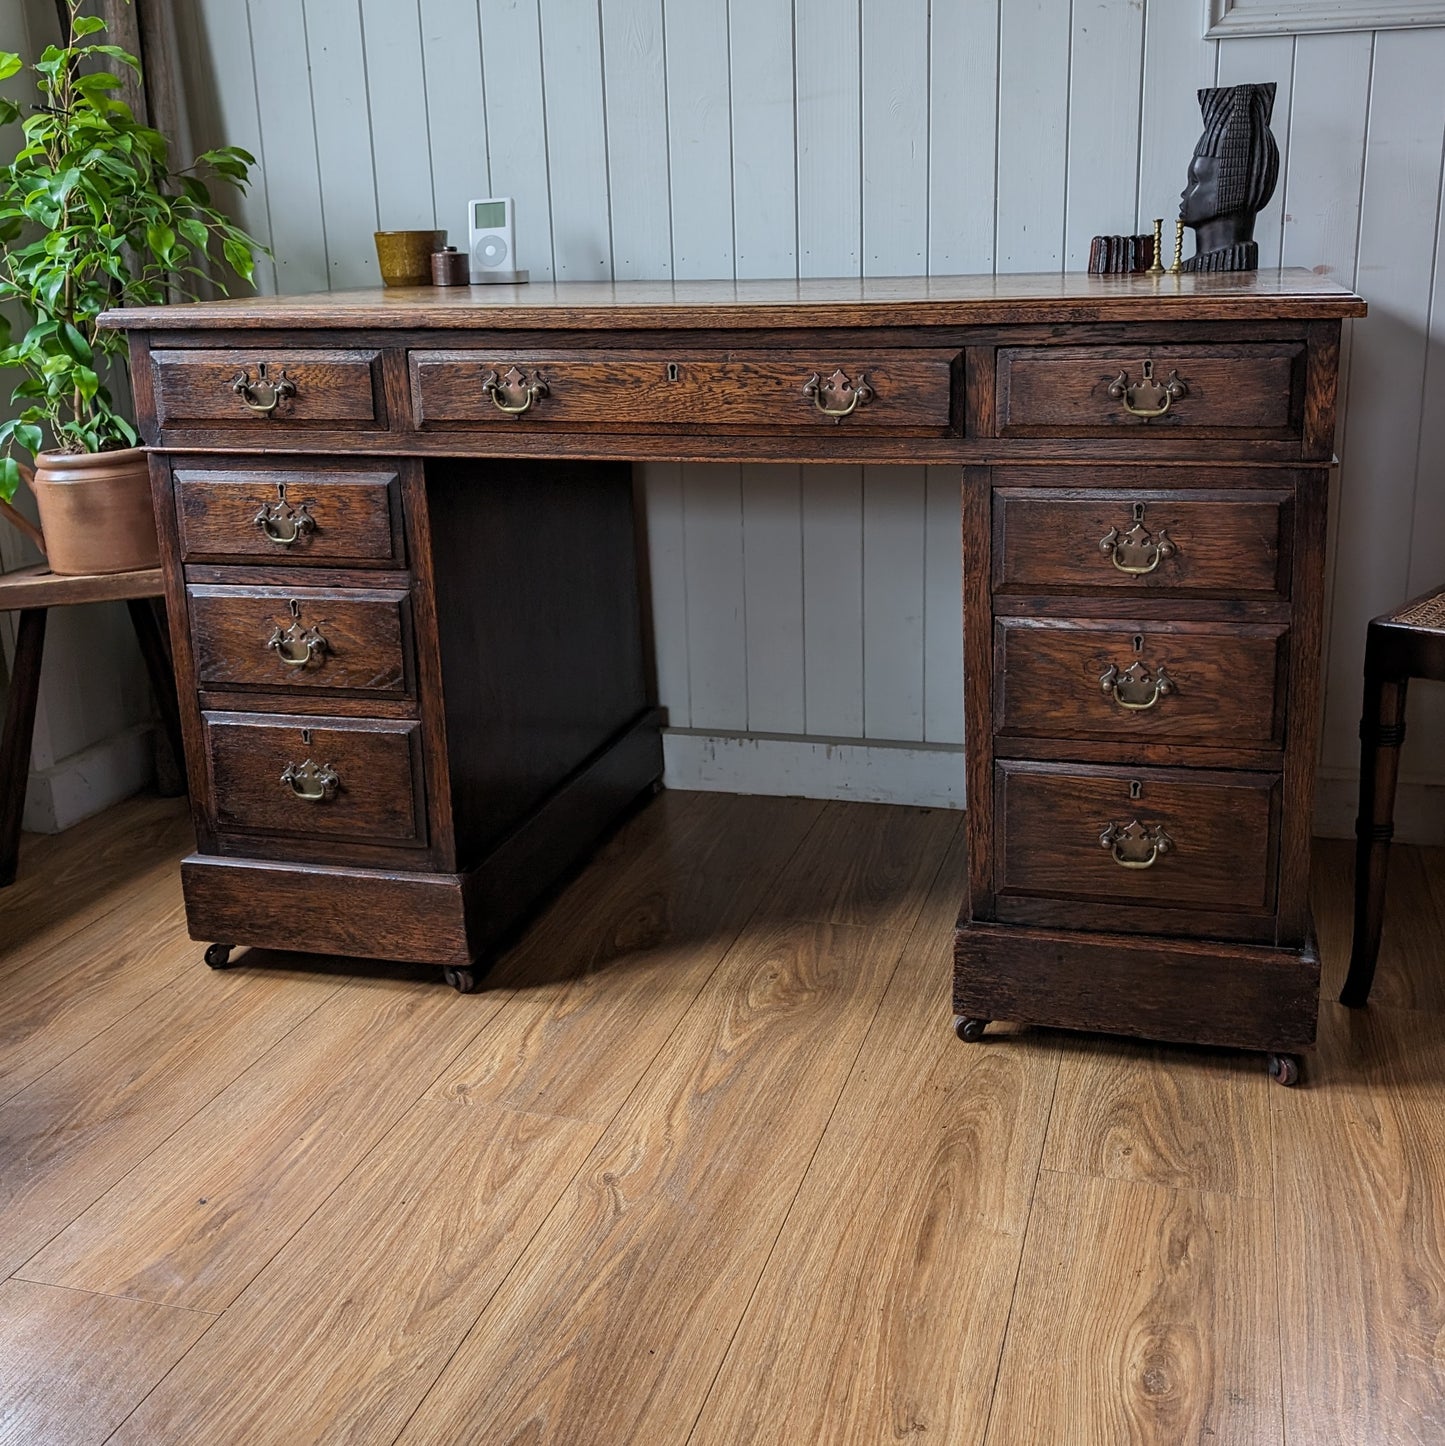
1178,249
1156,266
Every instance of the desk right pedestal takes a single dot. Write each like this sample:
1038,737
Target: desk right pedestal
1142,646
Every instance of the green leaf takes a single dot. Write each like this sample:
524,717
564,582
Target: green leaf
87,24
9,478
115,53
160,238
238,254
75,343
29,436
10,64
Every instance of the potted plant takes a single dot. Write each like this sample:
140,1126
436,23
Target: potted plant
91,217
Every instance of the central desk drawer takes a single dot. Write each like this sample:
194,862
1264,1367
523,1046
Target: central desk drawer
1211,684
1163,837
321,639
336,778
1253,389
893,390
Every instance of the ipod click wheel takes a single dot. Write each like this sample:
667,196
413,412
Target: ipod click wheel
492,246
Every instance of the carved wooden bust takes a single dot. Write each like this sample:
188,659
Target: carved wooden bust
1231,177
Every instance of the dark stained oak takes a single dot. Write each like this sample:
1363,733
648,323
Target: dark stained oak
329,386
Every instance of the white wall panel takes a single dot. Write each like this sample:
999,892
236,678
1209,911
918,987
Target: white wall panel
651,138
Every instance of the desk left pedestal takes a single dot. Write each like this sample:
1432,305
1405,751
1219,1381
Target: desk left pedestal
413,695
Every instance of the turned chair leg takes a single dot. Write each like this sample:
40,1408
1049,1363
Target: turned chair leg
155,649
1382,731
16,739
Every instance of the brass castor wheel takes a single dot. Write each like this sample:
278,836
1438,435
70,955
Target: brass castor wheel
1284,1069
218,956
464,981
968,1029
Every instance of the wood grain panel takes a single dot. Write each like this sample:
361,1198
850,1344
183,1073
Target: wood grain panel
194,1222
1141,1314
331,386
421,1233
73,1365
1181,1119
85,1124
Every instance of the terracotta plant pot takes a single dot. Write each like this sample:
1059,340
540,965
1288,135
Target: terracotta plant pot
95,511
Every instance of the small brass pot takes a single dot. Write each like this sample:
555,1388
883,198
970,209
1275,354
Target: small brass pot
405,256
95,511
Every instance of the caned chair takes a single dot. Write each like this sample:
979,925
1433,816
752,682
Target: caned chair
1400,645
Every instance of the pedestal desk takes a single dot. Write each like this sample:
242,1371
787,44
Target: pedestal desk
401,573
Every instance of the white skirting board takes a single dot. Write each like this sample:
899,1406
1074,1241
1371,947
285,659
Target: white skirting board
89,781
865,771
932,776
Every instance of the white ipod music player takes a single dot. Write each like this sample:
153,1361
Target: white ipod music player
493,247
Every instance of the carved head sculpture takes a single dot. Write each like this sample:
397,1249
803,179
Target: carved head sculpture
1231,177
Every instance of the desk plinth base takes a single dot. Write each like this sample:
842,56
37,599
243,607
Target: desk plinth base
1182,991
422,918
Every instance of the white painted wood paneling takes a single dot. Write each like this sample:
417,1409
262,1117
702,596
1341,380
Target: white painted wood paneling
650,138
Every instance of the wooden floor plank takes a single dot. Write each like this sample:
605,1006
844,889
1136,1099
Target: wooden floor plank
73,1365
881,1312
1360,1172
603,978
615,1321
82,1126
1183,1118
68,995
193,1223
359,1313
1141,1314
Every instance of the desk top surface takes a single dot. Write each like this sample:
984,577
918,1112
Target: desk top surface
879,301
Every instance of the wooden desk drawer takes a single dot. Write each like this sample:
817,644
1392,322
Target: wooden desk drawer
363,777
270,390
1176,682
350,519
310,639
1249,389
909,391
1208,542
1063,830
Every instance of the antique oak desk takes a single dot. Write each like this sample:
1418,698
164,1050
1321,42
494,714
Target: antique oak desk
401,573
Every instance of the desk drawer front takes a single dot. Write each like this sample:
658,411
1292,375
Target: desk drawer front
264,389
1079,832
867,391
333,518
1212,684
1253,389
316,778
1205,542
309,639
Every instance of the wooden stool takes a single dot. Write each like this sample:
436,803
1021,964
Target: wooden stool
33,591
1407,643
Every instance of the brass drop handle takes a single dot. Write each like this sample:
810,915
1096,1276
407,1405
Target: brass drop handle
264,394
282,522
1133,688
834,389
296,646
315,783
1137,551
1135,845
1122,390
502,390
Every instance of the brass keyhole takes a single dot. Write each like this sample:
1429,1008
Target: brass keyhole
306,737
1138,642
1138,512
1136,789
672,371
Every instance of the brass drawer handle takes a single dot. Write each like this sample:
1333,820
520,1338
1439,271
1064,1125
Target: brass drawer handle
1123,390
1133,688
282,522
296,646
835,389
264,394
505,391
1136,845
1137,551
315,783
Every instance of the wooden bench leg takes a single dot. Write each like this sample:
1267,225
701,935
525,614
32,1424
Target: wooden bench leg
19,732
155,649
1382,731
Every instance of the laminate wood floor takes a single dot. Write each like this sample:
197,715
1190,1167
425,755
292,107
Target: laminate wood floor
702,1162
